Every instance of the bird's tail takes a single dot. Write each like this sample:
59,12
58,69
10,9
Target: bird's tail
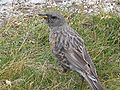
94,83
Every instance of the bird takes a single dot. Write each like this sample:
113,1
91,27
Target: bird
69,49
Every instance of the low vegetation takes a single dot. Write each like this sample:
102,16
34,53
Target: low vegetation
26,62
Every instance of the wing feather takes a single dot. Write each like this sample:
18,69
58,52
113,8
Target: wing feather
78,56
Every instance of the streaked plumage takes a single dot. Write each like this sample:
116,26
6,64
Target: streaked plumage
70,50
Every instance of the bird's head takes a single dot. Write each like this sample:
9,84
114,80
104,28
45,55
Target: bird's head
53,19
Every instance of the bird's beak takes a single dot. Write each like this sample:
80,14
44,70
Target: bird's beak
43,15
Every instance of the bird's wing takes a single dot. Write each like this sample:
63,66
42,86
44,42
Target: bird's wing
78,57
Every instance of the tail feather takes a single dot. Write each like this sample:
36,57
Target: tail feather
95,84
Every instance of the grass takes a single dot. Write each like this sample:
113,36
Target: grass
28,64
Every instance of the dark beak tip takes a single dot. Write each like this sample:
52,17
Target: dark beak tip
41,14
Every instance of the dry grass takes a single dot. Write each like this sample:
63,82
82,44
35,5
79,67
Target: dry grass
26,60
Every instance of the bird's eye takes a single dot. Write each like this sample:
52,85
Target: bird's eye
54,17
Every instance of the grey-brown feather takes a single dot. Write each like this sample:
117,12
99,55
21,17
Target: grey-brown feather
71,53
70,50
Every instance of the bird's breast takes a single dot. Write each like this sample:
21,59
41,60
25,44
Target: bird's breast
52,39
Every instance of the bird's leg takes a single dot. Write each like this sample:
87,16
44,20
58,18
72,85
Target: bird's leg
63,66
64,69
82,83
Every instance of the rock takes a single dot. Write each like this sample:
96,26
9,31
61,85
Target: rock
30,7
